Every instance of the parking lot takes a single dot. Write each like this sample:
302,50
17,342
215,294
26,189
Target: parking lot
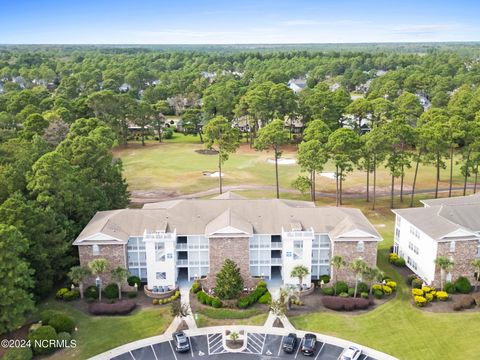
259,346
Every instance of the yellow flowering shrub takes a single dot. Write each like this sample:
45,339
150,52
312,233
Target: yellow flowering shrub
429,297
442,295
417,292
420,301
387,290
392,285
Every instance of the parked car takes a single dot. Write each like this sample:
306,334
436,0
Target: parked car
308,345
351,353
181,342
290,343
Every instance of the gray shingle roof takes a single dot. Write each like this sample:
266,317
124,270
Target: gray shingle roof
196,217
457,200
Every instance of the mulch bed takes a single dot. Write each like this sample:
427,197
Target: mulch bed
206,151
446,306
18,334
313,303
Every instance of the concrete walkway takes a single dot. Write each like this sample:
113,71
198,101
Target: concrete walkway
185,299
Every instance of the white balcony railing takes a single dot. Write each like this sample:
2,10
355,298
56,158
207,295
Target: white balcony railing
182,262
182,246
276,245
276,261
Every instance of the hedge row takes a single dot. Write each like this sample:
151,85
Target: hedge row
167,300
67,294
345,303
252,298
206,299
119,308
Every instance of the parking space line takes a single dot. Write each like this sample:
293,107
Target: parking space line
281,343
173,350
298,349
319,351
263,345
191,349
154,354
133,357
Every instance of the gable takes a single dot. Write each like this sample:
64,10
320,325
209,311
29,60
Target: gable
98,238
228,231
356,233
459,233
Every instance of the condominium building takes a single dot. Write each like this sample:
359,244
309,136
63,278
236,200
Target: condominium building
170,241
447,227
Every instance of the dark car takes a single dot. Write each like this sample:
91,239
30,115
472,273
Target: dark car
290,343
308,345
181,342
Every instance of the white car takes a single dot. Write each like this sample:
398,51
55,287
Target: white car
351,353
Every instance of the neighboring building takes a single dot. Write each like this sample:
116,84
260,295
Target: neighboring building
170,241
444,227
297,85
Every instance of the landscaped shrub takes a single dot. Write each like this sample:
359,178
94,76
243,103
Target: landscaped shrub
351,292
325,278
20,353
196,287
417,283
46,315
341,287
344,295
364,295
449,287
119,308
40,340
392,257
168,134
91,292
243,303
328,291
262,284
62,323
377,287
462,285
132,280
387,290
61,292
429,297
111,291
362,287
426,289
442,295
253,297
71,295
265,298
392,285
410,278
420,301
65,338
378,294
463,302
348,304
400,262
217,303
417,292
155,302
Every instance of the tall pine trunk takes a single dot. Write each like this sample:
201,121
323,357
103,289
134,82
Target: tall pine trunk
374,180
276,171
392,191
466,174
313,187
341,184
415,178
143,135
476,178
220,172
437,176
368,179
336,187
451,172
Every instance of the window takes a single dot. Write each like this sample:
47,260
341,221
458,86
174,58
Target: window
360,246
452,246
413,247
160,251
411,263
161,275
478,250
95,250
297,249
398,220
137,257
414,232
397,233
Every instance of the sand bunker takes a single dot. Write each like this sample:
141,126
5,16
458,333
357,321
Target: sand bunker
213,174
329,175
283,161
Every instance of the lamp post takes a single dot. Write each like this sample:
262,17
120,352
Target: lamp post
98,283
72,287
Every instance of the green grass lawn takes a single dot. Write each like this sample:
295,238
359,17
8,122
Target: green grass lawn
174,165
97,334
213,317
397,327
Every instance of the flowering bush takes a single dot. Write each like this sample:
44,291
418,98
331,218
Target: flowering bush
377,287
417,292
387,290
420,301
429,297
442,295
392,285
392,257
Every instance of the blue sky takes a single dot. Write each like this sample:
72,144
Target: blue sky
236,22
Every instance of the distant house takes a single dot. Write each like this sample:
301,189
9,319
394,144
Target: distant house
124,88
335,87
209,75
297,85
447,227
423,101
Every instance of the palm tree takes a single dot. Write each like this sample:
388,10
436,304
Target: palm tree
119,275
98,267
288,293
78,274
278,308
358,266
300,271
374,275
476,265
445,264
234,337
337,263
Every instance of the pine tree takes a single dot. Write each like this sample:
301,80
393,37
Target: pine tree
229,282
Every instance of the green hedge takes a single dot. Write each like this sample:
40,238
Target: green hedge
62,323
252,298
111,291
206,299
228,313
21,353
45,332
